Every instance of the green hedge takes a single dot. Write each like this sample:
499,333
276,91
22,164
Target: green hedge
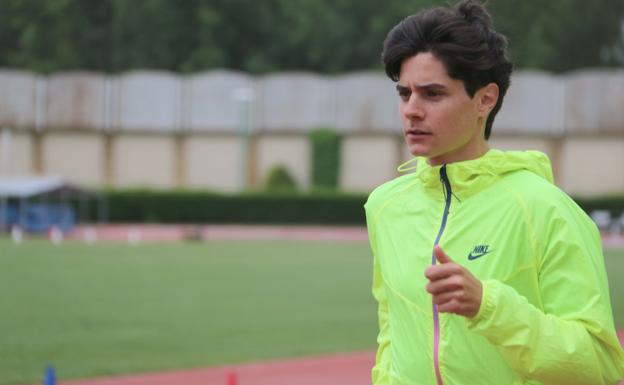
614,204
148,206
201,207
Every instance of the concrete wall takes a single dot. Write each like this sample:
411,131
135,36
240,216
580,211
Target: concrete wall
368,161
583,102
147,101
144,161
78,157
159,129
365,102
17,99
293,102
16,153
211,101
214,162
534,104
583,165
592,166
76,101
594,102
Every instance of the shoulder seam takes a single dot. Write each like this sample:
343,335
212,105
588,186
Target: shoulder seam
392,198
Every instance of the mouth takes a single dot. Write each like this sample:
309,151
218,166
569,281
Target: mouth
416,132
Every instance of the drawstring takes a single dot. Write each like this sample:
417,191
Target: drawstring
403,167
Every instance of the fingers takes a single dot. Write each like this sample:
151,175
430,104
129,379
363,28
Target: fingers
442,298
441,255
457,303
441,271
452,287
452,306
448,284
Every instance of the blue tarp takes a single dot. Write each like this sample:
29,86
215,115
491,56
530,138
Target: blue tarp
39,217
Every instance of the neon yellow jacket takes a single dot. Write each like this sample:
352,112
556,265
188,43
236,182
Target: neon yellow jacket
545,315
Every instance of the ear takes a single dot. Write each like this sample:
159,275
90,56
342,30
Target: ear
487,97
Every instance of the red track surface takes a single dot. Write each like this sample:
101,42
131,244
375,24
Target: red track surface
174,233
339,369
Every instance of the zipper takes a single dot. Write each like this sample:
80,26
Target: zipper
446,185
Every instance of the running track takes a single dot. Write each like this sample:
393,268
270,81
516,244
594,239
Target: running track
337,369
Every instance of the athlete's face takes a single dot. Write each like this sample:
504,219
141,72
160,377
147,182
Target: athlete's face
440,120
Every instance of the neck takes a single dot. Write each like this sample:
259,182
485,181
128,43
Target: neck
468,152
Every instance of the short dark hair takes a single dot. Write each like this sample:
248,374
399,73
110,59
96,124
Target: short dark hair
463,39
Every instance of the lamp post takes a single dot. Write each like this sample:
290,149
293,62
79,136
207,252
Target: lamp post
243,97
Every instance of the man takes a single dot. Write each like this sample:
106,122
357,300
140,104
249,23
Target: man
484,271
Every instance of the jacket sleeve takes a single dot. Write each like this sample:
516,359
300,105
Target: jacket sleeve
381,370
570,338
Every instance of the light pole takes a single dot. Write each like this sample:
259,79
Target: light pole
243,97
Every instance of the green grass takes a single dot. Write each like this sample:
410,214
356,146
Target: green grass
111,309
108,309
614,260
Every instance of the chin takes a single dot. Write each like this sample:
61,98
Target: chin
418,150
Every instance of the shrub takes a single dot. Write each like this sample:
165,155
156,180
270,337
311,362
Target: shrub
279,179
325,158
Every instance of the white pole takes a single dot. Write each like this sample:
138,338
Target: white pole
244,96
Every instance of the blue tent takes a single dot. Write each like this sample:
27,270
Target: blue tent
37,204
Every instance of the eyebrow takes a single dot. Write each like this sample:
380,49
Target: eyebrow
429,86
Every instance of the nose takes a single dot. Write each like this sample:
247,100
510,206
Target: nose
413,108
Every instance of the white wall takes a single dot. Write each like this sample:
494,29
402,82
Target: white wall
76,101
214,162
368,161
78,157
593,166
147,101
17,99
143,161
576,118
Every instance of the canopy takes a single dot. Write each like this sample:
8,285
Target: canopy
26,187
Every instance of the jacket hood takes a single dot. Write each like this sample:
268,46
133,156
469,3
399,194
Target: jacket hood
473,175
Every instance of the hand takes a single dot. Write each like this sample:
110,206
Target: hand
452,286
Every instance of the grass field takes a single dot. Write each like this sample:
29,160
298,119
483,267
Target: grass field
93,311
111,309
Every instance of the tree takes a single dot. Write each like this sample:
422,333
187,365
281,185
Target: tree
276,35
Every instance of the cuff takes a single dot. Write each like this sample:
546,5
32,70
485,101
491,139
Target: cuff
489,299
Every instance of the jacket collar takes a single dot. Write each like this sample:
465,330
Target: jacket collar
471,176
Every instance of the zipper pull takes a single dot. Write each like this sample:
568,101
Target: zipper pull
446,184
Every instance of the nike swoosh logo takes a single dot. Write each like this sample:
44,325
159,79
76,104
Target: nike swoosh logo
472,257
